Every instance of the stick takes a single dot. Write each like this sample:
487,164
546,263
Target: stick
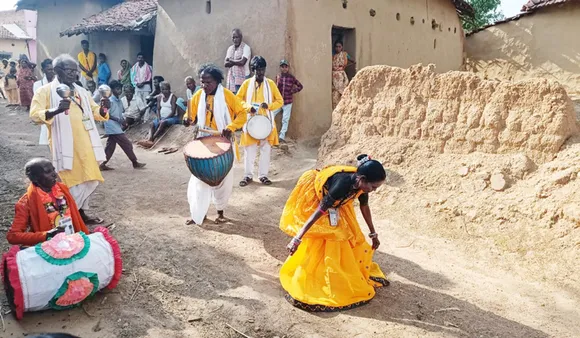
2,318
219,308
447,309
242,334
406,246
87,312
136,288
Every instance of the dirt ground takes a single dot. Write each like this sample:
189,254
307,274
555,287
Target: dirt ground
190,281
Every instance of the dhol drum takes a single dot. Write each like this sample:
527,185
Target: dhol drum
61,272
259,127
209,158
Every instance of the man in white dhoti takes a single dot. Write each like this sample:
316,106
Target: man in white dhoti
213,107
72,134
48,71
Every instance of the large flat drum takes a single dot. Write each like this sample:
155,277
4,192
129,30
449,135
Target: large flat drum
209,158
259,127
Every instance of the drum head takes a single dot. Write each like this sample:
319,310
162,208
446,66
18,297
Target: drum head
207,147
259,127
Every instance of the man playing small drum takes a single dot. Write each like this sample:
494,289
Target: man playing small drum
216,108
47,208
261,96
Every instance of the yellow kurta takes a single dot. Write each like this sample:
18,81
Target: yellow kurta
235,107
333,268
258,98
88,61
85,165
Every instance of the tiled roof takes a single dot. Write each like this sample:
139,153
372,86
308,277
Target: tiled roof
12,25
529,8
532,5
127,16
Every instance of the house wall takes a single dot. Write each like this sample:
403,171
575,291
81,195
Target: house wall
56,16
117,46
30,18
381,39
544,44
16,47
300,30
187,37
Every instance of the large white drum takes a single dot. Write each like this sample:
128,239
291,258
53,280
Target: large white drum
259,127
62,272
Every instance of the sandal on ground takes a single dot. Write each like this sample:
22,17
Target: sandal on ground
171,151
265,181
94,221
191,222
245,181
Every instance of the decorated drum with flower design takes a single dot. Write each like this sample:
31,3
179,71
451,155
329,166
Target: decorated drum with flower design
61,272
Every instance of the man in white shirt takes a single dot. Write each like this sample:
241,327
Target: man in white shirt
237,62
48,71
133,105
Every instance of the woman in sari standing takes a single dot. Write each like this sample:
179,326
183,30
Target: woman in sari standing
330,267
26,81
340,60
124,74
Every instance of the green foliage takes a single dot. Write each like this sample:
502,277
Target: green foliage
486,12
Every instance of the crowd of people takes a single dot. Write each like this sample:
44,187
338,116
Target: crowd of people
319,214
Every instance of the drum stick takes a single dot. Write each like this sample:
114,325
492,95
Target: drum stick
210,131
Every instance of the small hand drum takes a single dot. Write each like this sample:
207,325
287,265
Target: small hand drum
209,158
259,127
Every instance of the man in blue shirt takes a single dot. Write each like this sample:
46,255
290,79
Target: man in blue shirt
114,129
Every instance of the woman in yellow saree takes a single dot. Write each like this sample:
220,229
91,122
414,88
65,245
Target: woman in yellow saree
330,266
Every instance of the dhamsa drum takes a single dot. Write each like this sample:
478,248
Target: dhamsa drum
259,127
209,158
61,272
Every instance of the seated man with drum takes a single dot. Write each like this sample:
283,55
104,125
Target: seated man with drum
260,96
46,209
214,108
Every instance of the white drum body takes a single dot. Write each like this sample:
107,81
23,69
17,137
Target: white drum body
259,127
62,272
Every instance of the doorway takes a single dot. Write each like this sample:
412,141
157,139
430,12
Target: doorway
348,38
147,44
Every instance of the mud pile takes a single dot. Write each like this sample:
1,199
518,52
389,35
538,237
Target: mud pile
492,164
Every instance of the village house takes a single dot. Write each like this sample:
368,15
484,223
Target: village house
17,34
540,42
397,33
113,27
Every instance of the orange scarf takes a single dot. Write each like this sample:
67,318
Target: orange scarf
41,220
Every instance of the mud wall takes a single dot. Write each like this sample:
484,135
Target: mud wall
544,44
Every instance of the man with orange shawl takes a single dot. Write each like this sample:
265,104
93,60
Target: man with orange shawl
47,208
331,266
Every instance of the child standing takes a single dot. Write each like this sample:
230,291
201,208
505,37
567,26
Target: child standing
288,86
114,129
11,87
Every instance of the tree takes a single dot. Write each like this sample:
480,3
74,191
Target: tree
486,12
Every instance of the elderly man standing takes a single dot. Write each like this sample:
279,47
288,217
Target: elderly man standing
73,137
88,63
237,61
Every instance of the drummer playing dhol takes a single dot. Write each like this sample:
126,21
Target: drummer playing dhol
216,108
260,96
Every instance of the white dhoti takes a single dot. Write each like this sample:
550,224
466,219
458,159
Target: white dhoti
250,153
82,192
199,195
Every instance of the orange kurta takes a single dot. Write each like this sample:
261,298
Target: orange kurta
31,220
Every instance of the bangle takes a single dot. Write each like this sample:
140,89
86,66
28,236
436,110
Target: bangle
373,235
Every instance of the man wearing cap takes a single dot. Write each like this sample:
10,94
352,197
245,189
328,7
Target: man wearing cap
288,86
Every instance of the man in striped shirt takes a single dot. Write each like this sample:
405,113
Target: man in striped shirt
288,86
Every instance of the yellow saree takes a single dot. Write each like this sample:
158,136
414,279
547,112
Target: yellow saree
332,269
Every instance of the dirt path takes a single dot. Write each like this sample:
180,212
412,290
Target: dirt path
188,281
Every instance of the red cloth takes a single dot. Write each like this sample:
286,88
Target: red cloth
25,86
30,214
